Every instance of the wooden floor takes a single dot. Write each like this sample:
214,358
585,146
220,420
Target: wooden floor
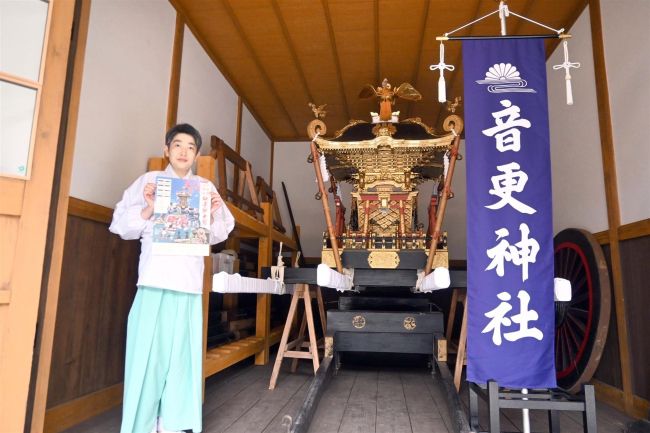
360,398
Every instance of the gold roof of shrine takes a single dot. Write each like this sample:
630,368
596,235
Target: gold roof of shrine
403,153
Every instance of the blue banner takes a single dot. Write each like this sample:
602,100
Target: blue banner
511,316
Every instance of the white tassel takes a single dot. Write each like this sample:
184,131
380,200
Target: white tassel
567,65
442,91
441,66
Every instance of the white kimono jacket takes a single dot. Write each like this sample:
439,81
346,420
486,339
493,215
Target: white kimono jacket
180,273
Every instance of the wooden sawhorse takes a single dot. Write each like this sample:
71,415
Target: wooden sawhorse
458,295
293,348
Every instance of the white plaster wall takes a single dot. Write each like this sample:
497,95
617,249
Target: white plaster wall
205,98
455,222
577,168
627,43
123,96
256,147
290,166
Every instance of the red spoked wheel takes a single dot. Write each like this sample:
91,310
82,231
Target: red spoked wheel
581,324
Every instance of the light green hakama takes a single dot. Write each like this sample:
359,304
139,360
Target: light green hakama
163,369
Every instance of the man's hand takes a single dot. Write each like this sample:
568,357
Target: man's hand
215,202
149,195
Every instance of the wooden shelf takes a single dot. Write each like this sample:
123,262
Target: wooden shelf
222,357
288,243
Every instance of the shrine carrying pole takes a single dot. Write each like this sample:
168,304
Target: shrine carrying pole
326,206
315,128
454,124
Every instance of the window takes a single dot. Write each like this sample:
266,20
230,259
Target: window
23,30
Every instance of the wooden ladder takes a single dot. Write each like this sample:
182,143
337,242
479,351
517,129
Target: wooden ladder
293,348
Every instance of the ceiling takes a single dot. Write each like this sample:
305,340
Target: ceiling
279,55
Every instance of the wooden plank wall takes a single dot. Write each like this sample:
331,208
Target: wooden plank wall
634,246
609,369
98,283
635,254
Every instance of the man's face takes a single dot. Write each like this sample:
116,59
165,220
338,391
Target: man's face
181,152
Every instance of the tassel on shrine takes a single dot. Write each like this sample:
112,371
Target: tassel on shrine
323,168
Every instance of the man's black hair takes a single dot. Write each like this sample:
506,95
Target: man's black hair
183,128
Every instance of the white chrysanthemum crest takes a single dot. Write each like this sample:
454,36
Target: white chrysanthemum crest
502,71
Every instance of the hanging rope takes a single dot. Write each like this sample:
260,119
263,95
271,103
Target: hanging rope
567,65
472,23
503,12
558,31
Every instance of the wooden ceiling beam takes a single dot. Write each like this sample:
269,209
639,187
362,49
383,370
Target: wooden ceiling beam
550,48
456,85
362,37
520,22
377,52
454,82
292,50
218,62
240,31
418,60
337,61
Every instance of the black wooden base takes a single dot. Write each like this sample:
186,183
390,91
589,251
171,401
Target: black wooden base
408,259
552,401
368,277
384,331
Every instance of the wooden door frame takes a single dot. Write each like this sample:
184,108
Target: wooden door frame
29,255
57,224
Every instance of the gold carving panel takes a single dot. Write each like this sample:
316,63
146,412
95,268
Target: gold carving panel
383,259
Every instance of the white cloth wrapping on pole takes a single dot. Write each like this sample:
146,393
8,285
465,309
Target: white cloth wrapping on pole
436,280
561,289
327,277
235,283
